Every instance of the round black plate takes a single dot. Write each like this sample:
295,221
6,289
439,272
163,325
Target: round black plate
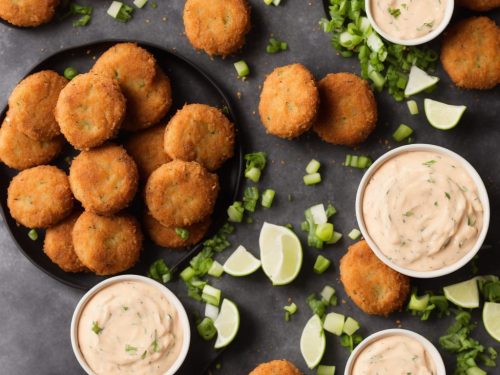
189,85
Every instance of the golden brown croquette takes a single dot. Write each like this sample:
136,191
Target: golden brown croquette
276,367
32,104
373,286
218,27
479,5
40,197
348,111
107,245
289,101
200,133
181,193
28,13
90,110
104,179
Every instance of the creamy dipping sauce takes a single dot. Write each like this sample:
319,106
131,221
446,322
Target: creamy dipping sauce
394,355
422,210
408,19
130,328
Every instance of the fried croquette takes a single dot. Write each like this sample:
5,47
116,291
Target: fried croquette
58,245
90,110
470,53
348,111
289,101
28,13
167,236
147,150
374,287
40,197
32,103
146,87
200,133
107,245
479,5
218,27
276,367
20,152
104,179
181,193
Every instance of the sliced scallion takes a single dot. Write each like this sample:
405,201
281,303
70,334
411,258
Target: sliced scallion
235,212
268,198
313,166
324,231
216,269
211,295
402,132
312,179
242,68
33,235
206,329
70,73
140,3
412,107
354,234
187,274
321,264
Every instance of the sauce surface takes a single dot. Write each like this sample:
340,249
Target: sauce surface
422,210
394,355
130,328
408,19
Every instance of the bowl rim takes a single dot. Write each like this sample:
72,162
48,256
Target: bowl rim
482,193
171,297
450,6
429,347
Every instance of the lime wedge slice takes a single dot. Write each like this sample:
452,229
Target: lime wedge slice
241,263
464,294
418,81
441,115
313,342
227,323
491,319
280,253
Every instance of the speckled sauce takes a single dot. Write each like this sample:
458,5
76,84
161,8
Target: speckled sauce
422,210
394,355
130,327
408,19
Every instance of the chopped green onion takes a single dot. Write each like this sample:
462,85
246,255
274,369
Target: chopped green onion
70,73
304,226
140,3
402,132
33,235
250,198
476,371
159,271
350,326
95,328
268,2
356,161
120,12
291,308
253,174
187,274
325,370
321,264
82,21
242,68
317,306
216,269
412,107
211,295
154,5
182,233
335,238
211,311
318,214
312,179
235,212
324,231
276,46
206,329
255,163
267,198
327,293
334,323
313,166
418,303
354,234
330,210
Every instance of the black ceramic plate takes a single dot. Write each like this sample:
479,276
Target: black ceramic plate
189,85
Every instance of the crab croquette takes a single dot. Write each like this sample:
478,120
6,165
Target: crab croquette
470,53
276,367
90,110
181,193
32,103
289,101
348,111
167,236
218,27
28,13
200,133
58,245
104,179
40,197
147,150
373,286
107,245
146,87
19,152
479,5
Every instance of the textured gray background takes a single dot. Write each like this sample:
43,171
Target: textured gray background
35,310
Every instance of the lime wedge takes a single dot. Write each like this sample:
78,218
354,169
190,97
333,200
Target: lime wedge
441,115
464,294
491,319
227,324
241,263
280,253
418,81
313,342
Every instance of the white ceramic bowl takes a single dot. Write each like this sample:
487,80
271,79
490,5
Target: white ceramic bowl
429,347
483,196
162,288
450,5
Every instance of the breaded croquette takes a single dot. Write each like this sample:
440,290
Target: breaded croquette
276,367
479,5
28,13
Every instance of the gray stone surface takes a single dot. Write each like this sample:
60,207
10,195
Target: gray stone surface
35,311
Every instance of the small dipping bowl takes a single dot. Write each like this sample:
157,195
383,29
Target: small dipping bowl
450,6
183,318
482,194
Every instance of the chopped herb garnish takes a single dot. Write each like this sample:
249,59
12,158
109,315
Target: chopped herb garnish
447,195
74,9
144,354
395,12
155,347
154,5
408,213
276,46
182,233
318,306
95,328
429,163
33,235
255,164
471,221
125,308
130,349
159,271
